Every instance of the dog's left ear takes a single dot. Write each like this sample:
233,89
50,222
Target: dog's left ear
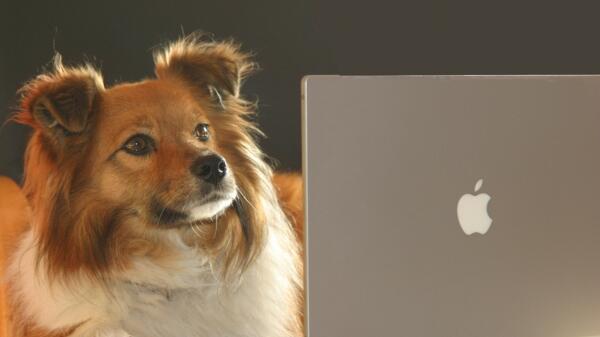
60,101
215,68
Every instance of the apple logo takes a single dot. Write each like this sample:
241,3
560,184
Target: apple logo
472,212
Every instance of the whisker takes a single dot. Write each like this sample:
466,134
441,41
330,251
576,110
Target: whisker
161,214
216,227
195,230
245,198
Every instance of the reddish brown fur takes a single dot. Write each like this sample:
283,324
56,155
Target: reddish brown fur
90,201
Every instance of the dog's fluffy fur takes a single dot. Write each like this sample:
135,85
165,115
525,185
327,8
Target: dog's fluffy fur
127,245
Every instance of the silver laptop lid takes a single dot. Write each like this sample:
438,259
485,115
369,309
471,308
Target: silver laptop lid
386,161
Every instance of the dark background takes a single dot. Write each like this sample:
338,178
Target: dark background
294,38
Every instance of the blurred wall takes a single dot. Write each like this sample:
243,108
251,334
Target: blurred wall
294,38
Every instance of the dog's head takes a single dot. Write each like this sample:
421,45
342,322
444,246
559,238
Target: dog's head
110,170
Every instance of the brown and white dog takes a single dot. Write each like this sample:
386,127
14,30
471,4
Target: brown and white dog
153,211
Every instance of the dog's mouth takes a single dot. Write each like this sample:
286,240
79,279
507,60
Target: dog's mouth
207,207
165,215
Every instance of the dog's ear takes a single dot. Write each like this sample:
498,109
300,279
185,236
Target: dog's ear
60,102
215,68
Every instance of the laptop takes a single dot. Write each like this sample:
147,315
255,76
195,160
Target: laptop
452,205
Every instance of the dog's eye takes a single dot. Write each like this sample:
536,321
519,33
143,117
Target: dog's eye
201,132
139,145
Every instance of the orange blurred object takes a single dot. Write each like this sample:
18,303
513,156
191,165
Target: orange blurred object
14,214
291,197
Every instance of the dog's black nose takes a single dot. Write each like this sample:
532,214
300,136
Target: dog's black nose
211,168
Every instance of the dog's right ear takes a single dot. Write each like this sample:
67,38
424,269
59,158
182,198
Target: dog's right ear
60,102
215,68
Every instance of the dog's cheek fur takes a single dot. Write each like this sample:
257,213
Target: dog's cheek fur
84,239
81,230
246,230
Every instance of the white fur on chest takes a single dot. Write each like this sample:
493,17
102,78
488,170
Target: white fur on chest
257,306
184,300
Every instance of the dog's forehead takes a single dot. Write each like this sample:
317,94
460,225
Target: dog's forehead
151,99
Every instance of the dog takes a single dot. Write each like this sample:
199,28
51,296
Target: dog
153,211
